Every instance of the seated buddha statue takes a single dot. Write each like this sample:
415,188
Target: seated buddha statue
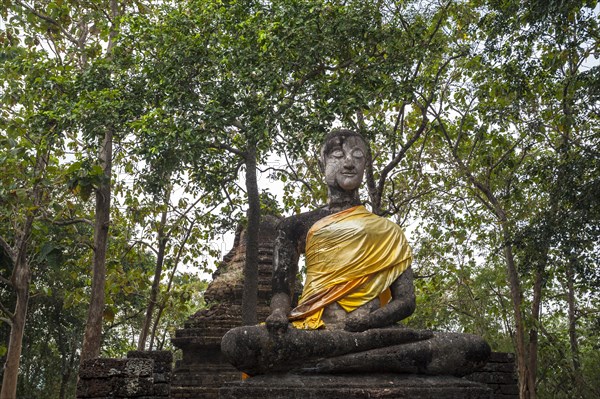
359,285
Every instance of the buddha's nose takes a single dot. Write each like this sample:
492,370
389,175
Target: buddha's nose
348,163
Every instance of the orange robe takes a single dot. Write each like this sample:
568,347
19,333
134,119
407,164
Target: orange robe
352,257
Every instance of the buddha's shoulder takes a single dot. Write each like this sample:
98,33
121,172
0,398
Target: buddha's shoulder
299,224
384,223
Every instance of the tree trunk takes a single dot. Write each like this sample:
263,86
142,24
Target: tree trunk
572,313
68,348
250,293
572,319
92,338
526,387
22,276
526,391
20,280
533,330
161,308
163,304
160,260
64,383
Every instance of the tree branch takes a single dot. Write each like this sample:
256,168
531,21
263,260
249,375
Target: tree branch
69,222
8,249
229,148
298,83
125,319
430,39
149,246
112,33
183,215
506,153
6,281
458,310
7,312
461,129
388,168
490,201
46,18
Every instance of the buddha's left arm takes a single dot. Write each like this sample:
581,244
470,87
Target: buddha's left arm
401,306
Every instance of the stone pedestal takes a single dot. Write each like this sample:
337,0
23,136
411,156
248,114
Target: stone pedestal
203,373
500,375
354,386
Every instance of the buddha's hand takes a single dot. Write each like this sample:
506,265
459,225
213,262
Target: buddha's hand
357,324
277,321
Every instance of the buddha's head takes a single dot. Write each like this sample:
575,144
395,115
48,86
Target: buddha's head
344,155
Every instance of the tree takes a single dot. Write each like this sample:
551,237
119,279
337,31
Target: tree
33,118
56,318
75,34
499,125
53,20
92,338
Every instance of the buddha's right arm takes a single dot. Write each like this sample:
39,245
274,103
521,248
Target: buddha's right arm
285,266
280,308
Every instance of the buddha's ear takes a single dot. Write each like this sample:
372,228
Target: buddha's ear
321,163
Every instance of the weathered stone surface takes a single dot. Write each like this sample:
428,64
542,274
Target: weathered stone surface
499,367
509,389
502,357
138,368
492,378
162,358
354,386
254,350
95,388
134,387
102,368
160,378
499,374
133,377
106,368
162,389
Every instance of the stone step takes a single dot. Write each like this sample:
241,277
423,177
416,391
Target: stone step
354,386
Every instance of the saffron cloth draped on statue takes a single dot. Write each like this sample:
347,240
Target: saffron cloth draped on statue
352,257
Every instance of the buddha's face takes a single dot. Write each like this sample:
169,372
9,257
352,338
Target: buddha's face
344,162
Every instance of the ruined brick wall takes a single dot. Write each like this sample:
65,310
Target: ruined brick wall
500,375
142,375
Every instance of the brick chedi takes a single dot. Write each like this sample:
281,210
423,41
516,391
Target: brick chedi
202,370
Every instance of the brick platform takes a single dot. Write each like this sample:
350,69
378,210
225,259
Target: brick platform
143,374
354,386
500,375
